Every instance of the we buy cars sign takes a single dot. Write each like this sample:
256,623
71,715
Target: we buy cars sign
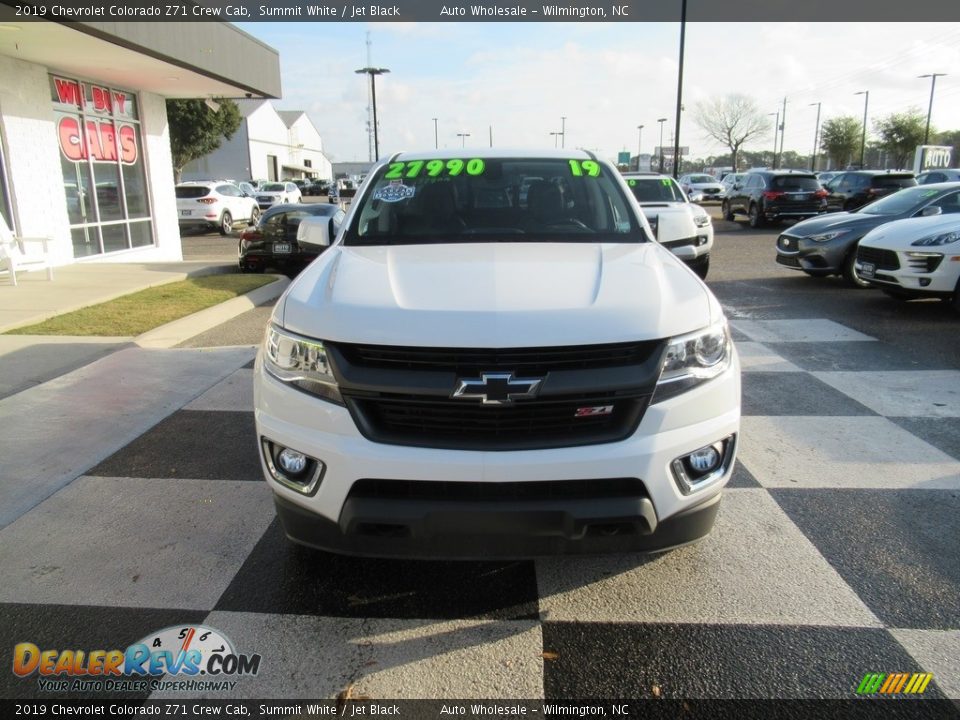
101,140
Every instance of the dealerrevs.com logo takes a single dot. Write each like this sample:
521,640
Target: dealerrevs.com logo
201,657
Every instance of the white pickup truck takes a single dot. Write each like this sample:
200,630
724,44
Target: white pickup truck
495,359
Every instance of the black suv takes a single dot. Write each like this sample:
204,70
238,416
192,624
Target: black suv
854,189
772,195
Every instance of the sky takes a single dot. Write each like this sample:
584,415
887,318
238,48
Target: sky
520,79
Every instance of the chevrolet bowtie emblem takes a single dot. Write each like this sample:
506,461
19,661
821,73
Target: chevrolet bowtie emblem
497,388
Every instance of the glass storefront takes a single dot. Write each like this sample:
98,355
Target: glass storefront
101,153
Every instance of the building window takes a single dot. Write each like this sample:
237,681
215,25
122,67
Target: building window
101,154
308,163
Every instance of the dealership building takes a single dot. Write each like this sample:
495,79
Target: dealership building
84,141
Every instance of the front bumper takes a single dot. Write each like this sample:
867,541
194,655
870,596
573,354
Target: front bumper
655,517
910,278
801,253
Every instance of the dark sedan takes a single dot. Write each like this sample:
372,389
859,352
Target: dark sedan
273,242
852,190
827,245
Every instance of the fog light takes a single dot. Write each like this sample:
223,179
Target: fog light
705,459
291,468
291,461
704,466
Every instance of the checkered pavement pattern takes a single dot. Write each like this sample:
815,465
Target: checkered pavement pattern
835,554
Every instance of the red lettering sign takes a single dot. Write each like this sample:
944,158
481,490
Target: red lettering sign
68,92
101,99
100,141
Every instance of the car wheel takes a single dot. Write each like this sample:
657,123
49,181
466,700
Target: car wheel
701,266
226,223
254,215
850,271
725,209
756,219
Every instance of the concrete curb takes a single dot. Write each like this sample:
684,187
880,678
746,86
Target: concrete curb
174,333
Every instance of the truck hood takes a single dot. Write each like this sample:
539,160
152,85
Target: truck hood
496,295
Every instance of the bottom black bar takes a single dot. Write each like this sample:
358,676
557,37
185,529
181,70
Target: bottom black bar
359,708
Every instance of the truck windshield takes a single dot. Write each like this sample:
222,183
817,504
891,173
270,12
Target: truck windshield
493,200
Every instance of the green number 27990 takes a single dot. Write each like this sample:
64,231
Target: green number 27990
434,168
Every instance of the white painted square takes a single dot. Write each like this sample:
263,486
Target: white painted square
842,452
132,542
901,393
235,392
755,357
320,657
755,567
799,330
937,652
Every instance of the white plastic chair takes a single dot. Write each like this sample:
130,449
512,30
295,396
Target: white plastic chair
21,253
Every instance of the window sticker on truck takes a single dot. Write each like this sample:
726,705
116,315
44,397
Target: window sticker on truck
394,192
434,168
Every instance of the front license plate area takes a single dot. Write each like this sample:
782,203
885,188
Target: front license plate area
867,269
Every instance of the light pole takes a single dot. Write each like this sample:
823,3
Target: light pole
933,83
661,121
776,128
563,131
676,133
373,72
556,138
639,144
436,135
816,135
463,139
863,138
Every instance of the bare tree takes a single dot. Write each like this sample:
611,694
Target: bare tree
732,120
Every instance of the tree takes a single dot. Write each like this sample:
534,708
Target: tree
196,130
900,134
840,139
732,120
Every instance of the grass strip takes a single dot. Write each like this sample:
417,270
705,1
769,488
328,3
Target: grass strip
133,314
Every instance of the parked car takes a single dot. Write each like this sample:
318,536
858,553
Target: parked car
731,179
826,176
914,258
214,205
827,245
273,242
774,195
341,189
316,187
700,187
278,193
454,379
938,176
855,188
679,225
247,189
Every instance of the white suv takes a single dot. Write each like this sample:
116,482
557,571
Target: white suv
686,229
278,193
211,204
467,374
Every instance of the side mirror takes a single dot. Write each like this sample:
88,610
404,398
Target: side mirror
930,210
315,231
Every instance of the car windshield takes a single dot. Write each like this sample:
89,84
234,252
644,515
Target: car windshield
494,200
900,202
273,187
702,179
654,190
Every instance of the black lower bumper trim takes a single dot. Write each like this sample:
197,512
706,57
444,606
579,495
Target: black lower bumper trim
387,529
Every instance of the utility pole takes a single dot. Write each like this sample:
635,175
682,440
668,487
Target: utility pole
436,135
933,84
816,136
863,138
370,120
783,128
676,134
563,131
776,128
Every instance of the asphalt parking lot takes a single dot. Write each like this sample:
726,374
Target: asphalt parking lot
835,553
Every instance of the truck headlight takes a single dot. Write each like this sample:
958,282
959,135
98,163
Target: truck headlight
692,359
301,362
701,220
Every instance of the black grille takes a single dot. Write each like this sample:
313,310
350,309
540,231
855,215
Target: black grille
789,261
472,361
497,491
925,263
882,259
541,423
